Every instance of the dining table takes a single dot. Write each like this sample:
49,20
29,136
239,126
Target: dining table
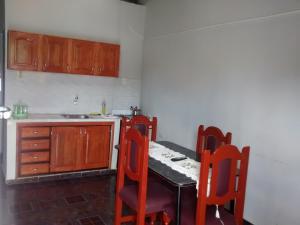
171,176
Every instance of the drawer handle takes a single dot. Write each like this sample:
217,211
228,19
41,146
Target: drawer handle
35,132
35,157
35,144
35,169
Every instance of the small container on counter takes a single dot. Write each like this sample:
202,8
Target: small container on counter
20,111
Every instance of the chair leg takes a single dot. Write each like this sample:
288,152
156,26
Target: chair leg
152,218
118,211
166,219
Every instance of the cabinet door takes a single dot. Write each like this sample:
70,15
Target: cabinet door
65,147
55,53
82,57
108,57
23,51
96,147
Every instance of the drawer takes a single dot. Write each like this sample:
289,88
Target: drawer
32,157
29,132
32,169
27,145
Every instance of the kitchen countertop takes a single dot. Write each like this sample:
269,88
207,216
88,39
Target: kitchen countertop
36,117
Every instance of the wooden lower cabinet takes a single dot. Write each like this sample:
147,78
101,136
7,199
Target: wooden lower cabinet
79,148
96,145
63,147
34,169
33,157
33,150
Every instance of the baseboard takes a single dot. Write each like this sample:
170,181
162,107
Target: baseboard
61,176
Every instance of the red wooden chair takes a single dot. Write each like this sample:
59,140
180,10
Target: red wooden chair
145,125
224,166
144,199
211,138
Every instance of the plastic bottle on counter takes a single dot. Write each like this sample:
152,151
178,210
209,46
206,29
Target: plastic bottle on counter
103,108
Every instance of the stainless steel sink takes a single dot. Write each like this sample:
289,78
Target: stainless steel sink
75,116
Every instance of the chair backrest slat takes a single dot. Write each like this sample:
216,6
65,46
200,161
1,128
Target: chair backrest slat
131,141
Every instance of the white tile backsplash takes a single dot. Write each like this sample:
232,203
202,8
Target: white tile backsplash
54,93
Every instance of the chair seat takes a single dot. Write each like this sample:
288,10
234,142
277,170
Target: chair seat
158,197
188,213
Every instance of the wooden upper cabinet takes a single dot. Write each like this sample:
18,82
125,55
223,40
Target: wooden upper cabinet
23,51
82,57
96,147
55,54
65,147
107,59
34,52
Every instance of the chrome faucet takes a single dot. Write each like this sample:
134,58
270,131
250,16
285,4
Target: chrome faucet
76,100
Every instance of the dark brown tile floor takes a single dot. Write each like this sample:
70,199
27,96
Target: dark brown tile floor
81,201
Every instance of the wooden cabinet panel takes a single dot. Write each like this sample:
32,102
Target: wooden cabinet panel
96,147
107,59
110,61
34,132
34,169
28,145
82,57
65,145
33,157
55,54
23,51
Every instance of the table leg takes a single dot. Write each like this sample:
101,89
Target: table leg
231,206
178,210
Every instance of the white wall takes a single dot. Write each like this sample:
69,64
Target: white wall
100,20
208,63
